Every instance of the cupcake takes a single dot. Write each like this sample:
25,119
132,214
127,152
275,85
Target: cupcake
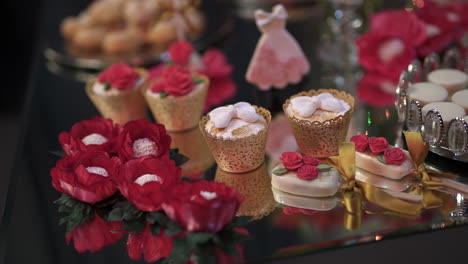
115,93
426,92
319,120
236,135
177,97
451,79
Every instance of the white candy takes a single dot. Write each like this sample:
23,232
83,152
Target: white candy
248,114
324,96
304,105
242,105
98,171
331,104
221,116
94,139
143,179
208,195
144,147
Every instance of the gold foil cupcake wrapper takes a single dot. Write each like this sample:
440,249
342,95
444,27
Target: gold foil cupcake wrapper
321,139
121,108
179,113
242,154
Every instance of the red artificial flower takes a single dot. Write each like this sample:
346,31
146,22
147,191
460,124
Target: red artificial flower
180,52
153,248
95,234
394,156
378,145
146,181
375,89
291,160
219,71
90,135
158,86
142,138
202,206
120,76
361,142
308,172
86,176
177,80
310,160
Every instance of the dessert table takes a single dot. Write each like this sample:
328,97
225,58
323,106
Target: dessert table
57,99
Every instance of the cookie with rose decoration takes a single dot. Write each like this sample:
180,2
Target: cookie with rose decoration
305,175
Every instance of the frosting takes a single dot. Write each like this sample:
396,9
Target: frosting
98,170
94,139
308,106
208,195
143,179
100,88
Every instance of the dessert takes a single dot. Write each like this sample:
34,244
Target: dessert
304,202
319,120
278,59
451,79
236,135
461,99
447,110
304,175
383,182
426,92
375,155
177,98
115,93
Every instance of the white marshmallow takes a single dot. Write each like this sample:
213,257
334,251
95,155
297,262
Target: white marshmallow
304,105
331,104
221,116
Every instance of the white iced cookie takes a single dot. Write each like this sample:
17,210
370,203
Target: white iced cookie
451,79
426,92
326,184
304,202
448,111
317,108
461,99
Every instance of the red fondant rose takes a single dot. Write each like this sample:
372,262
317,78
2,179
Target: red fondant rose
310,160
90,135
308,172
86,176
142,138
202,206
177,80
95,234
146,181
291,160
180,52
153,248
361,142
377,145
120,76
394,156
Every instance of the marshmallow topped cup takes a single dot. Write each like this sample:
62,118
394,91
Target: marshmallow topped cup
236,135
319,120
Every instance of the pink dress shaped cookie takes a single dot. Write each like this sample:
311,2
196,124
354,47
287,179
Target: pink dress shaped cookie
278,59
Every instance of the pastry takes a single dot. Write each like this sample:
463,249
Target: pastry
305,202
115,93
69,27
451,79
447,110
88,38
319,120
177,98
121,42
383,182
426,92
236,135
461,99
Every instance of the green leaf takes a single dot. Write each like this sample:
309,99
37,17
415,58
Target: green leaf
59,153
158,217
173,229
280,171
381,158
197,80
177,157
323,167
107,86
199,238
205,254
229,248
155,229
241,220
180,252
163,95
134,226
115,215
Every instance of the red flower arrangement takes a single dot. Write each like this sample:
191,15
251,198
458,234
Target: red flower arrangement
120,76
120,183
308,168
378,146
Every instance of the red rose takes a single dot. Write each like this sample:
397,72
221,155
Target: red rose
219,71
120,76
90,135
311,160
177,80
361,142
291,160
153,248
202,206
146,181
142,138
377,145
180,52
374,89
86,176
158,86
308,172
95,234
394,156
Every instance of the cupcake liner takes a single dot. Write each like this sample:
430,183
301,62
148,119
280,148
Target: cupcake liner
191,144
238,155
321,139
126,106
179,113
255,186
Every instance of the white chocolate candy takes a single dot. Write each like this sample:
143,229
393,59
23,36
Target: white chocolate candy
304,202
448,111
326,184
426,92
369,162
461,99
451,79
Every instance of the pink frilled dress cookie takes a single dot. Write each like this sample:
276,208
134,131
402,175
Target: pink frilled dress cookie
278,59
